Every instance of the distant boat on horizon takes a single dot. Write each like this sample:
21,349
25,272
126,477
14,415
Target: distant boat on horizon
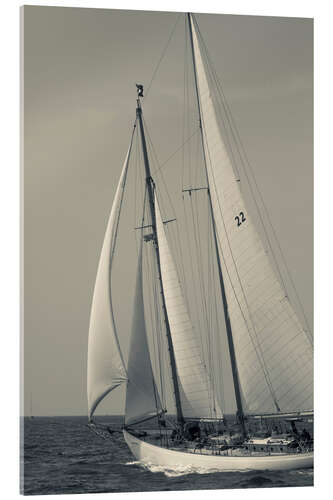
31,412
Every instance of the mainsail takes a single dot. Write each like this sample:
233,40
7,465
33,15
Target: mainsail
106,369
142,399
274,354
196,392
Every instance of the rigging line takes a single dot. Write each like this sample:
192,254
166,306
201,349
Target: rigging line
140,186
136,385
244,159
164,354
304,400
150,143
207,341
214,305
162,55
220,363
157,170
299,382
196,167
203,352
282,397
158,338
227,131
216,327
199,260
186,120
155,305
144,207
155,324
197,239
186,127
153,378
175,244
209,266
150,302
184,100
210,327
190,173
171,240
114,236
210,332
291,397
137,161
192,267
196,301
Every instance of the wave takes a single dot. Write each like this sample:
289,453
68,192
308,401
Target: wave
305,472
180,470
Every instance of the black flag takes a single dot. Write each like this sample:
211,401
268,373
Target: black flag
139,89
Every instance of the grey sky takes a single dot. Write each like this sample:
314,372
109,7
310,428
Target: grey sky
80,66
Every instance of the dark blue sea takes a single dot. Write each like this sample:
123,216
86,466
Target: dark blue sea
62,455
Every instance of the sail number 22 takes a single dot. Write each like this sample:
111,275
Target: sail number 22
240,218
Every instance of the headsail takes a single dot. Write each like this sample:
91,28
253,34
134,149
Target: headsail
274,355
196,390
106,369
142,399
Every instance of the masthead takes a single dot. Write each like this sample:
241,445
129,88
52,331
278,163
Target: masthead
139,89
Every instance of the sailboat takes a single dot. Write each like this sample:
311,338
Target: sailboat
271,354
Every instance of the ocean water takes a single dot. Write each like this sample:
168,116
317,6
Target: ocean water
62,455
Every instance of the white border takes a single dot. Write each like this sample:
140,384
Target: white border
322,12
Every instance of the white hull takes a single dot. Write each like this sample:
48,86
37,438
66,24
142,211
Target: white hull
156,455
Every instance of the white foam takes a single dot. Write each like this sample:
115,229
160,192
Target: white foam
177,470
308,472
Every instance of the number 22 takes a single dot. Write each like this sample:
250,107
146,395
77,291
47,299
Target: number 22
240,218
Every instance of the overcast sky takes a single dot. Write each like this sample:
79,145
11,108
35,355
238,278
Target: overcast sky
80,66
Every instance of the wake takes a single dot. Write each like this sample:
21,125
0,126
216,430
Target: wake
178,470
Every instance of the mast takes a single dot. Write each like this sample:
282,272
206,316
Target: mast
240,411
150,189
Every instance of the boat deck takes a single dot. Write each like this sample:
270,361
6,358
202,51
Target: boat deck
231,452
217,446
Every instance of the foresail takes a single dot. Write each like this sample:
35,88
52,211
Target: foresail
106,369
274,354
142,398
195,388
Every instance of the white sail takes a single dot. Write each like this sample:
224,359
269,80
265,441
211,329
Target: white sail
142,399
274,355
106,369
195,388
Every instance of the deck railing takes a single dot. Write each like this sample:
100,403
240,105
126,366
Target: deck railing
210,448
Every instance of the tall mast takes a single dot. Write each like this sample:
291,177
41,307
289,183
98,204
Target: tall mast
240,411
150,190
